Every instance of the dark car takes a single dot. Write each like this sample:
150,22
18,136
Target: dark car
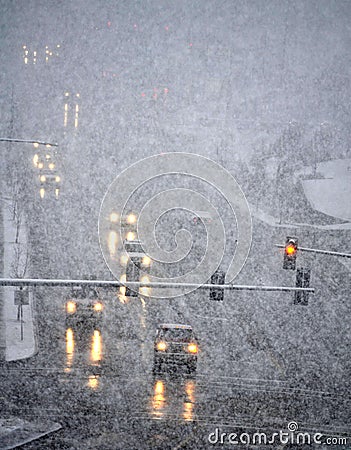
83,306
175,345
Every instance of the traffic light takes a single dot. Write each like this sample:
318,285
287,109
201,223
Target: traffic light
133,274
303,277
85,291
290,253
217,294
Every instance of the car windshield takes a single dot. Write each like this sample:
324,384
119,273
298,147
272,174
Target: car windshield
133,247
176,334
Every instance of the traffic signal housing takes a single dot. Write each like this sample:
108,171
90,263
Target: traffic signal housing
217,294
133,274
290,253
303,277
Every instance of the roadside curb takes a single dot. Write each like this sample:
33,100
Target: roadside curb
274,222
15,432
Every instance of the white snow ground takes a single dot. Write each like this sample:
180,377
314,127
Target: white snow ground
330,195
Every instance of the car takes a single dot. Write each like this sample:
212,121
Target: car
175,345
45,160
135,253
47,178
136,263
49,181
83,306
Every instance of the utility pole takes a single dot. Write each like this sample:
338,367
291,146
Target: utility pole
29,141
3,187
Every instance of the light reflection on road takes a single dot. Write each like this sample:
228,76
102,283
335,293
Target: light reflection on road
189,402
112,242
173,397
93,381
69,349
84,350
158,401
96,347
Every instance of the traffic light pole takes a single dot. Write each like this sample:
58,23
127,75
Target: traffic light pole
323,252
28,141
20,282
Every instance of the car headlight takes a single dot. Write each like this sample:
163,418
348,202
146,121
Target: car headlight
146,261
161,346
192,348
71,307
98,307
130,236
131,218
124,259
114,217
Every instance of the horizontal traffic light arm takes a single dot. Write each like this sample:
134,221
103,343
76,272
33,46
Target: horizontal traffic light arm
27,282
313,250
28,141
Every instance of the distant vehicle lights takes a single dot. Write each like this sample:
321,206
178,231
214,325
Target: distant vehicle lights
131,219
114,217
98,307
71,307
